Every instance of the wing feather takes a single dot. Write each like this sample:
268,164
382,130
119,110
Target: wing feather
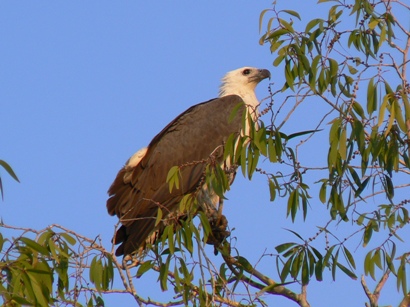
188,140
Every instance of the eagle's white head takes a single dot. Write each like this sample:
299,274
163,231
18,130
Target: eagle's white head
242,82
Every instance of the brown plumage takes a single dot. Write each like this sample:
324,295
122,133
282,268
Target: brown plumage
140,186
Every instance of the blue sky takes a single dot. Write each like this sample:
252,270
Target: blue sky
84,84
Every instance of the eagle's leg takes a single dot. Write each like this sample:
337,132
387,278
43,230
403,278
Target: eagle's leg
220,207
219,225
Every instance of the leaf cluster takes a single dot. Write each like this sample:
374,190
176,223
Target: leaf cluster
46,270
359,73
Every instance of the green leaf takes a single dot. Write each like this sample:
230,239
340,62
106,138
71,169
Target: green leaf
401,275
278,144
286,25
272,191
322,192
371,97
319,271
275,46
28,286
68,238
354,176
334,264
144,267
377,259
293,13
359,134
163,275
293,203
285,246
9,170
35,246
323,81
305,270
272,151
99,301
313,72
295,233
286,269
362,186
335,130
277,33
347,271
171,244
261,15
96,269
349,257
297,265
360,219
159,217
367,234
260,140
352,70
311,24
173,178
290,79
297,134
353,39
390,264
19,300
388,186
243,160
399,116
327,256
253,158
317,253
406,104
382,110
42,282
108,273
373,23
358,109
278,60
342,144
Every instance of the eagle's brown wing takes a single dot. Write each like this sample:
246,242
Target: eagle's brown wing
139,190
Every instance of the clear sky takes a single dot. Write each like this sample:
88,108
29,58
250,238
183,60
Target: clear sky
84,84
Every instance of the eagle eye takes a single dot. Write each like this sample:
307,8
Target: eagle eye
246,72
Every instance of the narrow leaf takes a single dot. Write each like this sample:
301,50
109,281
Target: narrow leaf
9,170
371,97
293,13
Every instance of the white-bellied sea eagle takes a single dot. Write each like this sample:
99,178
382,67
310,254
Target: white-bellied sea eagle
140,187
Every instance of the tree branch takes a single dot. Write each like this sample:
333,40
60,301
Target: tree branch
271,286
406,301
374,297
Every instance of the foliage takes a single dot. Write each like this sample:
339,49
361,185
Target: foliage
10,171
50,266
358,77
349,69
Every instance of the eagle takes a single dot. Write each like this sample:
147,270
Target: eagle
190,140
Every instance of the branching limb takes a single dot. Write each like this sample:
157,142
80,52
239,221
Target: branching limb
406,301
268,286
374,297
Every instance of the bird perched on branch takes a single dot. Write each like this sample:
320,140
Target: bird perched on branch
189,142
